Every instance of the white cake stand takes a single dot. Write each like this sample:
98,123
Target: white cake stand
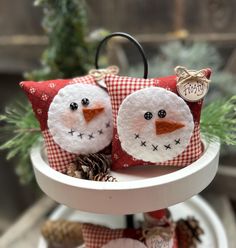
214,234
139,189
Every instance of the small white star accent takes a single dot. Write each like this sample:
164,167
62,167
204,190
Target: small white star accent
44,97
32,90
52,85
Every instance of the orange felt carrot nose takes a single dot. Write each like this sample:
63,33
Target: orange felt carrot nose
163,127
91,113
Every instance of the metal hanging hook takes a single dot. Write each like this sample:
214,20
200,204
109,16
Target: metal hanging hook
133,40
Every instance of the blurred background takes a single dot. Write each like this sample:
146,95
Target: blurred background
36,36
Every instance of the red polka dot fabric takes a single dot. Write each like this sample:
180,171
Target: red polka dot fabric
41,95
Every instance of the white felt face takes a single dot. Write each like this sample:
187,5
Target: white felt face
154,124
80,118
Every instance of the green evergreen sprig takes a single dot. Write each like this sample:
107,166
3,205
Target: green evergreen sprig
68,54
21,130
192,55
219,120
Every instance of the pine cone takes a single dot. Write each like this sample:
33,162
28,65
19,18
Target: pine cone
93,164
104,177
62,233
88,166
72,171
188,232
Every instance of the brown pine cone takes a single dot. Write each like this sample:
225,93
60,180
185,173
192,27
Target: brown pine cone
88,166
104,177
188,232
72,171
93,164
62,233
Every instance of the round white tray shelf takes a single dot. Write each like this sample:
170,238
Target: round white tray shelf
214,233
138,189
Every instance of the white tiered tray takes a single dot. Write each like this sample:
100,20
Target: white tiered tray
138,189
214,234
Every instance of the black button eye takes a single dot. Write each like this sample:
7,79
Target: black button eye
148,115
162,113
85,101
73,106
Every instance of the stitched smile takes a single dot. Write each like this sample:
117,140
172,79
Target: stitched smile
155,147
89,135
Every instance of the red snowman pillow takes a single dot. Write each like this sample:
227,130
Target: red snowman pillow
74,115
153,124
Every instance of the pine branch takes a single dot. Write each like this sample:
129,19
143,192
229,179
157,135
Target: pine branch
68,53
19,132
195,56
219,120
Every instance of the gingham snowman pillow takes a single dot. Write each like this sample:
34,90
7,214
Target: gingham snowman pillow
74,115
96,236
156,121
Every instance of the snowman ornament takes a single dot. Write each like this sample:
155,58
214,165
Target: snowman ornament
75,117
80,118
154,125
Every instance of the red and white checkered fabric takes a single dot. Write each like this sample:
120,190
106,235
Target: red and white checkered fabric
58,158
41,95
119,88
96,236
189,155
